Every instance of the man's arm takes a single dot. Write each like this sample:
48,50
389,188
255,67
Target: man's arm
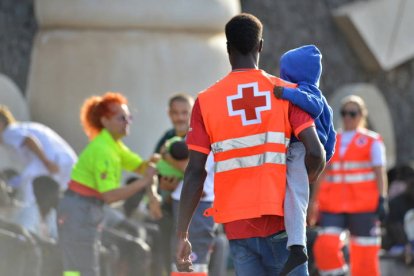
194,177
129,190
315,154
381,177
34,145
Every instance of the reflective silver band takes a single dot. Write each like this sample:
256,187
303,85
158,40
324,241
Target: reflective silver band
366,241
331,230
250,141
250,161
350,165
351,178
334,231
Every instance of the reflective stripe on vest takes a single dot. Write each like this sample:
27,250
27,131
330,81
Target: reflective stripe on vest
350,165
250,161
250,141
334,272
331,230
351,178
366,241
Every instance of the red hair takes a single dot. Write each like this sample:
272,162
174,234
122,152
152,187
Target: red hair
96,107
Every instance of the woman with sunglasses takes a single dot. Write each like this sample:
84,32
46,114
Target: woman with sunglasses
350,196
95,181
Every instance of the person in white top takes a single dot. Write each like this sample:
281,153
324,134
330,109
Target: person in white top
351,195
42,151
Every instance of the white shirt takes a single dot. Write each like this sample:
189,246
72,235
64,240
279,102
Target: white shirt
377,148
208,183
55,148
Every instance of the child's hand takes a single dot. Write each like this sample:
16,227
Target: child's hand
278,91
155,158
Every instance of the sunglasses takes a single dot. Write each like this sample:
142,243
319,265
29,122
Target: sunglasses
124,118
350,113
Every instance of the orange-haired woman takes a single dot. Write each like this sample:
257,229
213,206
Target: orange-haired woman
95,181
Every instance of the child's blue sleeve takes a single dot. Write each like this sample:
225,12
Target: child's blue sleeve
307,97
330,144
331,133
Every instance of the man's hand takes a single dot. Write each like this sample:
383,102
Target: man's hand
312,214
278,91
382,209
183,253
150,171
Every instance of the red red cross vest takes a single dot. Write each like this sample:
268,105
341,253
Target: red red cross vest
249,130
349,184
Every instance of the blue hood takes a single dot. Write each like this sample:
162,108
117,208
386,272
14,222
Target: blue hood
302,64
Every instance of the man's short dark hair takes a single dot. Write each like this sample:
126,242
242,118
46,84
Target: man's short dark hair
181,97
244,32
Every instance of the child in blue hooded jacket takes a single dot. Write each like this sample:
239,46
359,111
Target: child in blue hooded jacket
302,66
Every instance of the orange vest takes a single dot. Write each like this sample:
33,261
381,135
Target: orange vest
349,184
249,132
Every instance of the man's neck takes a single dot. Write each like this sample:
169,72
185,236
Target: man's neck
250,61
181,133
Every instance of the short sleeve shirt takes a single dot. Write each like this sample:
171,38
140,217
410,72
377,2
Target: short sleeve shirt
101,163
199,140
52,144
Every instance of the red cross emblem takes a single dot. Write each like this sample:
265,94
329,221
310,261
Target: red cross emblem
361,141
248,103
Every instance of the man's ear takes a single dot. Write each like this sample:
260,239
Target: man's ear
260,45
228,47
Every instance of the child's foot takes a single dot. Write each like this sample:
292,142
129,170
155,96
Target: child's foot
297,256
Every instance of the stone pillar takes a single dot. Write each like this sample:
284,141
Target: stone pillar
379,116
147,50
11,96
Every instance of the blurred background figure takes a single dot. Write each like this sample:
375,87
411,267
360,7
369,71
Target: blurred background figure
43,153
351,196
95,181
397,239
207,238
398,176
179,113
398,225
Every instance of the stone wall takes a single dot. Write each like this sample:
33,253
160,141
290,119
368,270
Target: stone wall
289,24
17,30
